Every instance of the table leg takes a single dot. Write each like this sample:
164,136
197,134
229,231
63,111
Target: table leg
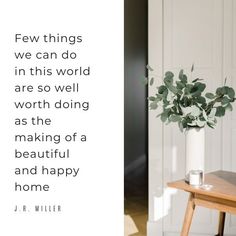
221,224
188,216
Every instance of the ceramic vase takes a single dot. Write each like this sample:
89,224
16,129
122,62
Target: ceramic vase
195,149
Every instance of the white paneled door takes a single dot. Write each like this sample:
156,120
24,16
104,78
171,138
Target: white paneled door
182,32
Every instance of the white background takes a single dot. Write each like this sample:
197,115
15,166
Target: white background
93,202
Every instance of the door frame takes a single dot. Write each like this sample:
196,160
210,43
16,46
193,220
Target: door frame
155,126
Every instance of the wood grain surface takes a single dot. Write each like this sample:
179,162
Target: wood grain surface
223,185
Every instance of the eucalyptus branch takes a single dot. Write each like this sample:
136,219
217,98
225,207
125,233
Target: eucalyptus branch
190,107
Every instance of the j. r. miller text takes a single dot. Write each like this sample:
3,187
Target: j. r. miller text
37,208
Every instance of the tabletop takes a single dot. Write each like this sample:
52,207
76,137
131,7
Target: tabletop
223,185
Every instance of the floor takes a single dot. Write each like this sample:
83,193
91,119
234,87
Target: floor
136,207
135,217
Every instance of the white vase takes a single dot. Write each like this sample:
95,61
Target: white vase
195,149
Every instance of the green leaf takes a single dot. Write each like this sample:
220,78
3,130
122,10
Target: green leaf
169,84
188,88
165,103
225,100
153,105
181,127
211,125
212,121
174,118
200,86
151,81
152,98
192,68
168,80
225,81
197,89
158,97
219,91
220,111
186,101
184,123
181,73
229,107
172,88
210,95
195,80
169,74
149,68
180,85
183,78
165,94
222,90
161,89
201,100
164,116
231,93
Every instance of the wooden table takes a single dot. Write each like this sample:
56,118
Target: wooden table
221,197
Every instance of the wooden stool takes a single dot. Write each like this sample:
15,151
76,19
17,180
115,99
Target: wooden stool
221,197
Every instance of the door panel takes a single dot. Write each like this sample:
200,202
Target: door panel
229,122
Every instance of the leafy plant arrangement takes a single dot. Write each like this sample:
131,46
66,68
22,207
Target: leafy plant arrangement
185,101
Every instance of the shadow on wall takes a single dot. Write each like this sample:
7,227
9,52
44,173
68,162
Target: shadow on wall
135,130
135,118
